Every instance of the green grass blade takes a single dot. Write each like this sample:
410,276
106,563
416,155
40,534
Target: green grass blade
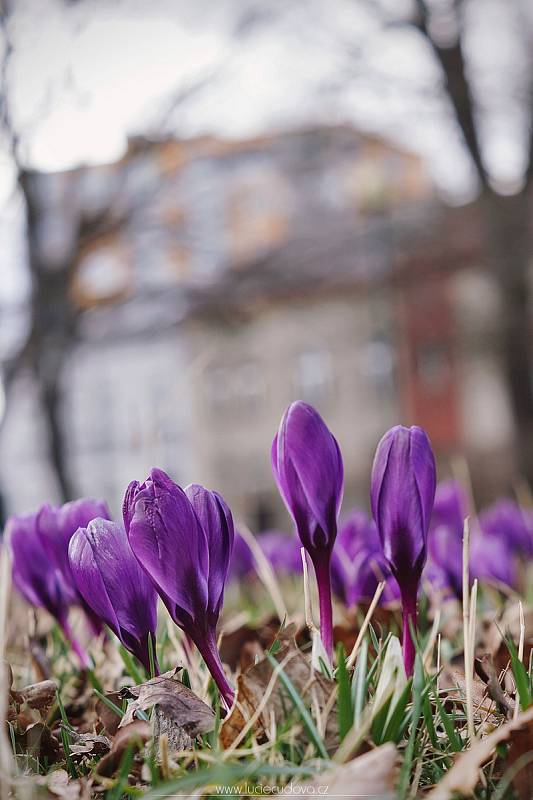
131,666
520,676
344,694
449,727
359,682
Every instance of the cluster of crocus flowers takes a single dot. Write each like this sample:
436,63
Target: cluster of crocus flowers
175,542
307,465
41,570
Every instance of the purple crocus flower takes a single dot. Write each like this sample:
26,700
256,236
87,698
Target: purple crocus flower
356,581
491,559
307,466
358,563
56,526
445,538
402,494
110,580
242,561
38,578
282,551
183,540
506,520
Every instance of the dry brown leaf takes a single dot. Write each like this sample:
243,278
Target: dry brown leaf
372,775
252,686
109,719
39,742
82,743
522,748
463,777
40,696
177,702
134,735
60,785
509,624
486,670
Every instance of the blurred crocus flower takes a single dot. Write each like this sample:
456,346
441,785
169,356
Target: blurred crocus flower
38,578
242,561
506,520
402,494
445,538
308,469
358,563
492,560
110,580
56,526
282,551
183,540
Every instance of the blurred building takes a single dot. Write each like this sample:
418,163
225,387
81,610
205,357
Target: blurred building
215,282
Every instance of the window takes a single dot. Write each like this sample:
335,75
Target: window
314,376
235,389
377,364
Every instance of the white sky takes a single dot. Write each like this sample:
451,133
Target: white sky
84,75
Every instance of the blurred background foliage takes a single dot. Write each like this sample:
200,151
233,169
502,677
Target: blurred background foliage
209,210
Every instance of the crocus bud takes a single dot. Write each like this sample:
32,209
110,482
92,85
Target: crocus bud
183,541
108,577
56,526
307,466
38,578
402,494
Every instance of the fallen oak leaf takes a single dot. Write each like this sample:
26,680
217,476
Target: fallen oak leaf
463,777
135,735
174,699
373,774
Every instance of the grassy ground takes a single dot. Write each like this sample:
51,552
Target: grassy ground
463,725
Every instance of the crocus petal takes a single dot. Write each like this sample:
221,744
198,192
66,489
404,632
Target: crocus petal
56,527
217,522
113,584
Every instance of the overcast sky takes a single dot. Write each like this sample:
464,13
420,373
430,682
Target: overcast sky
84,75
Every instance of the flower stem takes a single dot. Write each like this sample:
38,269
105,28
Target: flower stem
322,564
80,651
207,646
409,615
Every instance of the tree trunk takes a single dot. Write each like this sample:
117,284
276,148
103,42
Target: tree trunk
53,327
508,238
